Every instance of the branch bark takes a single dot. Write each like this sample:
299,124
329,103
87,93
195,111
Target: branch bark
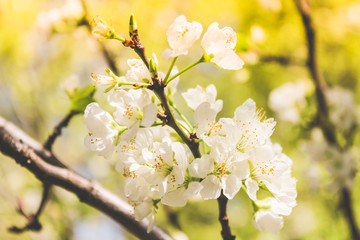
323,114
224,219
47,168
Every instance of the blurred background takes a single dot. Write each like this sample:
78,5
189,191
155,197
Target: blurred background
45,46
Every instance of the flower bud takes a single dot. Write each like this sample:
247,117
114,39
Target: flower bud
132,25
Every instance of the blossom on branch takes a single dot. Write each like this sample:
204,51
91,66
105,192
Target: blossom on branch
219,45
181,36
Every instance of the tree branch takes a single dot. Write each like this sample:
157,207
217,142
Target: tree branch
223,218
323,115
57,130
320,84
31,155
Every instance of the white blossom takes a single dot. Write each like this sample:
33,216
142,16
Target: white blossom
289,100
102,135
137,72
133,108
269,216
181,36
219,44
196,96
266,220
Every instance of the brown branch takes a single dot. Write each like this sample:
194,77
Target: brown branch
57,130
33,223
223,218
323,114
281,59
31,155
320,84
346,206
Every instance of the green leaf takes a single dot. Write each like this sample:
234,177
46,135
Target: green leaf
82,97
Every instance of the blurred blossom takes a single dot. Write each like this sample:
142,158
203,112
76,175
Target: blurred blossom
271,5
72,10
312,175
250,57
289,100
70,84
242,76
339,163
342,108
257,34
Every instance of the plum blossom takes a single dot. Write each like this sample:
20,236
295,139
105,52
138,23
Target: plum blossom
195,96
272,168
133,108
103,130
270,215
219,45
181,36
137,72
220,171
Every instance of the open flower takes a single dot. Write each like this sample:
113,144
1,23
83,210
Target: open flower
196,96
102,130
269,216
219,45
133,108
137,72
181,36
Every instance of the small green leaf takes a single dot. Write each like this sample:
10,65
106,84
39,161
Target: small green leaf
82,97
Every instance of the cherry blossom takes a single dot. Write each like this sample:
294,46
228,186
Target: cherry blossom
219,45
181,36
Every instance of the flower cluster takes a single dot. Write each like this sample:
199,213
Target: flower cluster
159,160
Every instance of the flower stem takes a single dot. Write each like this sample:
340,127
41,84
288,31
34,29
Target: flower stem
202,59
170,69
118,38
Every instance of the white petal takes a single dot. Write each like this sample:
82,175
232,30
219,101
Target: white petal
211,188
151,225
252,188
200,167
142,210
265,220
175,198
150,112
231,185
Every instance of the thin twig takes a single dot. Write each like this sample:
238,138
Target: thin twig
323,114
33,223
57,130
19,146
